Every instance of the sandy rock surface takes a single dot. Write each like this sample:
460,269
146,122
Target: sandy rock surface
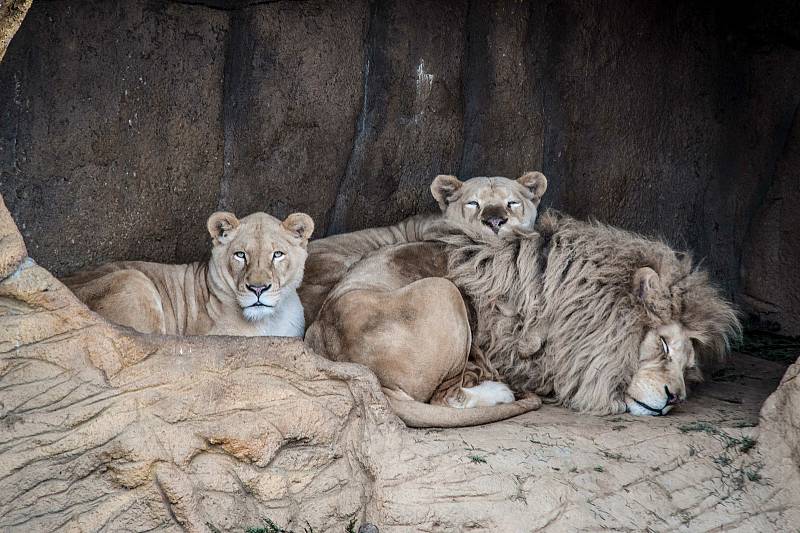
107,430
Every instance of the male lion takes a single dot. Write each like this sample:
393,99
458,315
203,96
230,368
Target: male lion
624,318
393,310
247,287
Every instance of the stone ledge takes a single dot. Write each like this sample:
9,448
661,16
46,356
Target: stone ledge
103,427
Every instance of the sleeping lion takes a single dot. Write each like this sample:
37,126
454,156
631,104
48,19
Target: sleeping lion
247,287
626,320
394,310
496,206
599,319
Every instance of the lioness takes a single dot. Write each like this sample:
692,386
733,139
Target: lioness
395,312
498,206
247,287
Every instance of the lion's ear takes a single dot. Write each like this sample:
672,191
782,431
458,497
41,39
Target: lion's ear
444,189
221,226
300,225
647,287
535,182
694,374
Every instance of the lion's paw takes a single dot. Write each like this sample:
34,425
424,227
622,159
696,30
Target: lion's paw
485,394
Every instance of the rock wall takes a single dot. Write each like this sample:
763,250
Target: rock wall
123,124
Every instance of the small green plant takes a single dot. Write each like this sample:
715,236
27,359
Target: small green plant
704,427
477,458
272,527
722,460
746,444
753,475
351,525
599,468
269,527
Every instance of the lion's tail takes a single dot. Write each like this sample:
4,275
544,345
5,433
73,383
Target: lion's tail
424,415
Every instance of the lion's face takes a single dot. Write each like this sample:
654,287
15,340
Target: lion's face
498,206
257,260
667,358
666,361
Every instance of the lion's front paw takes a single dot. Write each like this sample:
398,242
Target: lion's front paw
487,393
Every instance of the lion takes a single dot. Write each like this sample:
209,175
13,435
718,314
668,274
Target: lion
388,305
497,205
397,314
247,287
600,319
626,319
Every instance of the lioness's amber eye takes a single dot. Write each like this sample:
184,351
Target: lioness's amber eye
277,255
240,255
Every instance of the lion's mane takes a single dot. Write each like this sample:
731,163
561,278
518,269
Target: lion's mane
569,285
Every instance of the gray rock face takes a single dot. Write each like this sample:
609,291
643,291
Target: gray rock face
124,124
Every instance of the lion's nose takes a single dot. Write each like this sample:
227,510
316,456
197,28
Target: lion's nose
258,289
672,399
495,222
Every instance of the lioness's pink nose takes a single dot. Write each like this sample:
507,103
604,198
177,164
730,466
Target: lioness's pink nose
495,222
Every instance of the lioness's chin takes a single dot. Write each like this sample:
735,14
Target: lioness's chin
255,313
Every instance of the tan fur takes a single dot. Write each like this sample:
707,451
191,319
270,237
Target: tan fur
394,313
212,297
495,205
582,284
385,304
330,258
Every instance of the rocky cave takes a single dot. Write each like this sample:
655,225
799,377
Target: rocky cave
124,124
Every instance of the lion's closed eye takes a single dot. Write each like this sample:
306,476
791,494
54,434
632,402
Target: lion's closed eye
664,345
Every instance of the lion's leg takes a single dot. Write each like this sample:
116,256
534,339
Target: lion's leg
125,297
413,338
